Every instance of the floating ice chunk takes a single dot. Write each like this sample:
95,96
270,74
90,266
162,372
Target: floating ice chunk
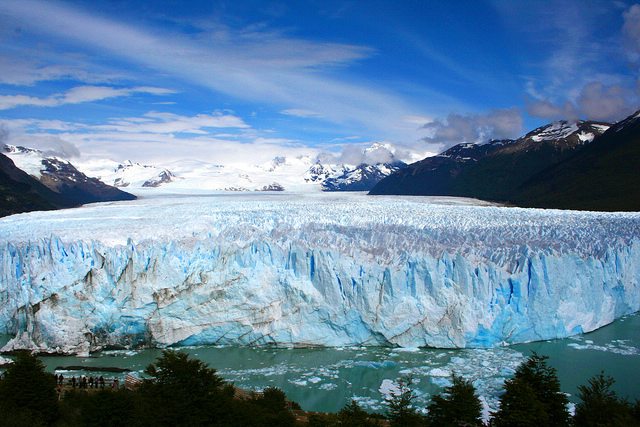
408,349
388,388
328,386
439,372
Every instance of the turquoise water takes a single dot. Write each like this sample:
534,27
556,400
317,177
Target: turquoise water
326,379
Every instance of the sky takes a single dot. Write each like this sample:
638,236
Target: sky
245,81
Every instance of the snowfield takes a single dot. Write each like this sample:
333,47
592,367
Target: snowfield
312,269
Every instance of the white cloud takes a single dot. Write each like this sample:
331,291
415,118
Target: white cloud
168,123
474,128
299,112
370,155
600,102
576,46
25,70
77,95
631,31
155,137
418,121
51,145
547,110
11,101
255,65
594,101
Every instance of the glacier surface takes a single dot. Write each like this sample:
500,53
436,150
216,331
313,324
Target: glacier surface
313,269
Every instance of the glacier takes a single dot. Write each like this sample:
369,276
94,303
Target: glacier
311,270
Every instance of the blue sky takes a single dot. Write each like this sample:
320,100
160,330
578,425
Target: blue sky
247,80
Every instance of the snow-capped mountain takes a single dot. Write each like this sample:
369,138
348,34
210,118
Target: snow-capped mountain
20,192
565,134
282,173
602,175
494,170
127,174
360,178
59,175
319,172
304,173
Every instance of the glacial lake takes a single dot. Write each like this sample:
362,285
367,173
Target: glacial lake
325,379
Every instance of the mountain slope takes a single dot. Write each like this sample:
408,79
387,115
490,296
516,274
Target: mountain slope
63,178
20,192
492,171
604,175
68,186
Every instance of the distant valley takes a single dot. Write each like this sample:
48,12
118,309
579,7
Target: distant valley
34,180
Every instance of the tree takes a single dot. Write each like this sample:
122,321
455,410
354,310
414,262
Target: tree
182,392
520,407
28,393
272,409
600,406
352,415
105,408
534,389
458,405
400,412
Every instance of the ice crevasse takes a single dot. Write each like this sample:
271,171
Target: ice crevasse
287,272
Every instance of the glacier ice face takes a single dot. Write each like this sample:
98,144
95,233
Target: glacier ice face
319,269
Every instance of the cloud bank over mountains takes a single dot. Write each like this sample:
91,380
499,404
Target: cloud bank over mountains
236,83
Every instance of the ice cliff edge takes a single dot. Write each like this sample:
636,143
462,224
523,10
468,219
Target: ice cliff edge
299,273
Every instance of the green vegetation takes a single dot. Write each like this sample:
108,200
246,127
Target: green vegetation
27,393
457,405
401,412
533,397
600,406
186,392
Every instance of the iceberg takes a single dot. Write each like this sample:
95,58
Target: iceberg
311,270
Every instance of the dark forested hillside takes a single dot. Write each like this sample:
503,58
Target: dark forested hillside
561,165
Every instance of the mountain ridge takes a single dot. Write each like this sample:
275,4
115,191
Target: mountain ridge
65,185
507,170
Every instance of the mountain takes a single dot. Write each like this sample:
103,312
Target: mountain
301,174
604,175
495,170
137,175
70,186
360,178
20,192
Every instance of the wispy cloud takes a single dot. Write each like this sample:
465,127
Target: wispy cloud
631,31
31,66
299,112
77,95
255,65
168,123
156,137
582,71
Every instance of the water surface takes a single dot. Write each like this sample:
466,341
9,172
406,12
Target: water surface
325,379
